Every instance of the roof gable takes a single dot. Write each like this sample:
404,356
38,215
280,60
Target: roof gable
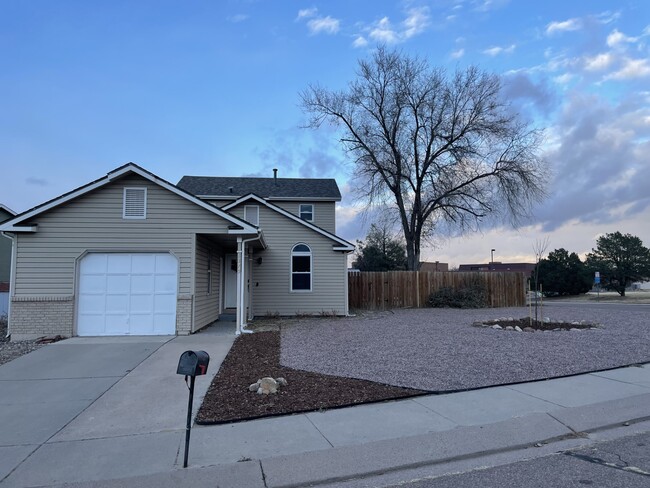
343,245
230,188
18,223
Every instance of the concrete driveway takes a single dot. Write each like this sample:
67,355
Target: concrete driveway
68,405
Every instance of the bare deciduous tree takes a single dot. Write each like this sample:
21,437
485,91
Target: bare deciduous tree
437,148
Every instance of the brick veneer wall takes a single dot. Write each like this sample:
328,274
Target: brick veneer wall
33,317
184,315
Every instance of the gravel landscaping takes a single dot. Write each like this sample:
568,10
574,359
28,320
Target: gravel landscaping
439,350
12,350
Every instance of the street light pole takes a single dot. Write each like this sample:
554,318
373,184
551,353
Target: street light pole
492,259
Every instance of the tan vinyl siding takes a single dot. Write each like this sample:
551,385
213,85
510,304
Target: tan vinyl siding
46,260
324,212
271,279
218,203
206,305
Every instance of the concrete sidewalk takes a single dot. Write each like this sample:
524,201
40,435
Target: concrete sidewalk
116,442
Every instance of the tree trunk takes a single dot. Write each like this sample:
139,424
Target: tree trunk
412,253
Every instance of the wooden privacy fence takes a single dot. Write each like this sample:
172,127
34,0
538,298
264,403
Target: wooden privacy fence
409,289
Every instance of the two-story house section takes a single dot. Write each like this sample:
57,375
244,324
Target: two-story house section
133,254
311,199
303,268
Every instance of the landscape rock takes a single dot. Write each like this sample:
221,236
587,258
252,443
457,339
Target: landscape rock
573,329
518,329
267,386
497,326
509,327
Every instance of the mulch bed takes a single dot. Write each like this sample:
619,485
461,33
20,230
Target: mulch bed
256,356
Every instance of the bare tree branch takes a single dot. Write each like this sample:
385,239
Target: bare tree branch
438,148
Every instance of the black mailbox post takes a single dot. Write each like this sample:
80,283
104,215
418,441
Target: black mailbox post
191,364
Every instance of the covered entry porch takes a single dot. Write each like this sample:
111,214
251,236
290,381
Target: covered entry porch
224,277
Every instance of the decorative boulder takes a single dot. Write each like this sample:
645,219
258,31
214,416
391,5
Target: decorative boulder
268,385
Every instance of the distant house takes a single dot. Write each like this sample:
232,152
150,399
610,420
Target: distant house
526,268
132,254
435,266
5,262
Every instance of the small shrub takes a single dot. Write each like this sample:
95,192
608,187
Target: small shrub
471,295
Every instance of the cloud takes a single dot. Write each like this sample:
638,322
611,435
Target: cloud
600,154
563,79
416,22
318,24
563,26
36,181
457,54
599,62
307,13
237,18
360,41
384,32
631,69
522,90
617,37
327,25
496,50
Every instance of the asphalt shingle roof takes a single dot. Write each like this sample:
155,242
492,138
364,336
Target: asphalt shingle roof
219,186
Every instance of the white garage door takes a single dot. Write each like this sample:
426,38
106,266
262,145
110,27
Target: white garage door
127,294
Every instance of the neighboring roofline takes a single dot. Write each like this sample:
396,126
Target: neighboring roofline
7,209
10,225
278,199
344,245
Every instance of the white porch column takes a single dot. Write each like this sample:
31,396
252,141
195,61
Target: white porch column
240,261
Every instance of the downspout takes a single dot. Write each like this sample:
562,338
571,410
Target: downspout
241,282
12,277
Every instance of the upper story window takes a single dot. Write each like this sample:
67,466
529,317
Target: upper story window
307,212
301,268
135,203
252,214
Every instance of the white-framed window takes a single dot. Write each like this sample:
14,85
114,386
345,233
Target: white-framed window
134,203
252,214
301,268
306,212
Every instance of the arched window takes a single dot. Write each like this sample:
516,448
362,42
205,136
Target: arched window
301,268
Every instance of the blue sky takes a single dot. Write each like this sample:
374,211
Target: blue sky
212,88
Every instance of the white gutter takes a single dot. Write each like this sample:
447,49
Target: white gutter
241,286
12,278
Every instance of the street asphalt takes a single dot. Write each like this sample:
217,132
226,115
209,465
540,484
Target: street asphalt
109,412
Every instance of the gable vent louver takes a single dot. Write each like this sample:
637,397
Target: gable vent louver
135,203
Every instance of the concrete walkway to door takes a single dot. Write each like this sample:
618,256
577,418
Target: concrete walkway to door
67,408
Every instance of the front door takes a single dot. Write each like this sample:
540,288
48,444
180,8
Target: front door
230,281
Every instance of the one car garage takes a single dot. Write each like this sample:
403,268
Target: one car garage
127,294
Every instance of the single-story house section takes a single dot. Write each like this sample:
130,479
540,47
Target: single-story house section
132,254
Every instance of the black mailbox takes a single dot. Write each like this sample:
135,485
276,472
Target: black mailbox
193,363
